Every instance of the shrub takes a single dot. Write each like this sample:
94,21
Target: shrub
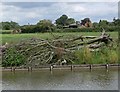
12,57
83,56
109,55
87,55
79,57
112,56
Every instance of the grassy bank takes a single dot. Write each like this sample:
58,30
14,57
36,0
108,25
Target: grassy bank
14,38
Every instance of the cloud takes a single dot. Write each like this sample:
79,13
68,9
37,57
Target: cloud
32,12
60,0
29,4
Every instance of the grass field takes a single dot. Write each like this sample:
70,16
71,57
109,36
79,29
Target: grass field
14,38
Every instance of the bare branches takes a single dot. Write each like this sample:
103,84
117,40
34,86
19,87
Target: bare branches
43,51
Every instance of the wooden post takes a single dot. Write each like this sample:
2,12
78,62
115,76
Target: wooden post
90,67
71,67
51,67
107,66
12,69
29,68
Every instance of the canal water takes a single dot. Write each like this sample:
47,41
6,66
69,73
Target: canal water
79,79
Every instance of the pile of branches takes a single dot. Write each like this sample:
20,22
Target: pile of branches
59,50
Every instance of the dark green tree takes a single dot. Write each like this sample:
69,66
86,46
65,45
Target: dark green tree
14,25
116,22
103,23
5,25
9,25
62,20
70,21
95,24
110,24
45,25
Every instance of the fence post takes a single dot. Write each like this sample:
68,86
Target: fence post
51,67
71,67
107,66
29,69
12,69
90,66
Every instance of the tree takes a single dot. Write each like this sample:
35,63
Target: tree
70,21
9,25
116,22
14,25
45,25
6,26
62,20
95,24
103,23
111,24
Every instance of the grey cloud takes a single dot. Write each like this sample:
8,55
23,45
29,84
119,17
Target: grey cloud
31,12
29,4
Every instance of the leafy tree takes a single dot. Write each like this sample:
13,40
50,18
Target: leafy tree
70,21
45,25
95,24
9,25
14,25
116,22
103,23
62,20
28,29
5,25
111,24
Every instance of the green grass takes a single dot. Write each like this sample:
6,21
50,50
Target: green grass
5,31
14,38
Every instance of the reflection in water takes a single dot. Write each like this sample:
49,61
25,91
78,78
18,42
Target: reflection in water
98,79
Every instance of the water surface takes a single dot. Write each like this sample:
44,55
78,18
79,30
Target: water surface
81,79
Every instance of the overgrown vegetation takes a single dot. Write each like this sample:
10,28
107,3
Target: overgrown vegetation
83,56
37,51
12,57
104,56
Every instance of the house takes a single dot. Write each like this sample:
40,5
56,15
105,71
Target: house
86,22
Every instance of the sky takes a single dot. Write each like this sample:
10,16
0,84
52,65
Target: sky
31,12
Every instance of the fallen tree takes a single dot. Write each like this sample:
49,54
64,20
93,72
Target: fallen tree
59,49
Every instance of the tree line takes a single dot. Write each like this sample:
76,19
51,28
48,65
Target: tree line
62,22
9,25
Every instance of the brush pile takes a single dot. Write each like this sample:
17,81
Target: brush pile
59,50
